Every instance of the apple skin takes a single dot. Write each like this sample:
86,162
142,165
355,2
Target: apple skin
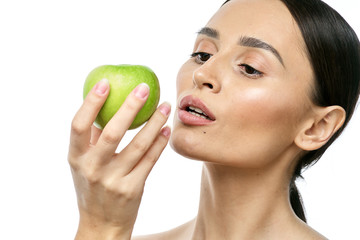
122,80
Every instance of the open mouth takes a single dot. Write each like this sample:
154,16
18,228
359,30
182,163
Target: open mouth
197,112
193,111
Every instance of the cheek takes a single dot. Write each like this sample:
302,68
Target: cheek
263,109
262,125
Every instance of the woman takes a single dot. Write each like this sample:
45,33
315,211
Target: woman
269,86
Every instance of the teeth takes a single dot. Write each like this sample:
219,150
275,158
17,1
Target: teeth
198,115
198,110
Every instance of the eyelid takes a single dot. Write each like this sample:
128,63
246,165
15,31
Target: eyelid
194,54
197,55
259,61
204,44
256,75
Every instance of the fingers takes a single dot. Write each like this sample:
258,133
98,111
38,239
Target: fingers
84,118
138,174
143,168
145,138
95,134
121,121
103,191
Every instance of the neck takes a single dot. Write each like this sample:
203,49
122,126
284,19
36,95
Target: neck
239,204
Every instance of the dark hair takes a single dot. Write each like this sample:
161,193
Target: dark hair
333,50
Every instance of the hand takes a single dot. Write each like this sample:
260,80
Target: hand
109,185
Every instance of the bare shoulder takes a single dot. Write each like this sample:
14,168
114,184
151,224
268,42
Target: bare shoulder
304,231
299,230
311,234
179,233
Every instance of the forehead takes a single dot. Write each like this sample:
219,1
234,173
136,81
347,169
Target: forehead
268,20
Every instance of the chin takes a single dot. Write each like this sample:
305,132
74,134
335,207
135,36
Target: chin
186,142
181,143
190,143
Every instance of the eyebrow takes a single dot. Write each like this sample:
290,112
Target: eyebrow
244,41
257,43
210,32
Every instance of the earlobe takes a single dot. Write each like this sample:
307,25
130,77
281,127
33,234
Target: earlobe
318,130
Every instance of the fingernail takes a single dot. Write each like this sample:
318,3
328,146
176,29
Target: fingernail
142,91
165,109
166,131
102,86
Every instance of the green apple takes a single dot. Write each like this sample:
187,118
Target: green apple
123,79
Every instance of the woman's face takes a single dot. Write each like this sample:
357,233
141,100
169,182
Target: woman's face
250,77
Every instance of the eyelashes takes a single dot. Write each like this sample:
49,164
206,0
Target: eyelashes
201,57
246,69
249,71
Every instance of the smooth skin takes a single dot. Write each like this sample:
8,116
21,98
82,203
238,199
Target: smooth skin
109,185
265,120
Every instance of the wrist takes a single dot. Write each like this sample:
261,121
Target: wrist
93,230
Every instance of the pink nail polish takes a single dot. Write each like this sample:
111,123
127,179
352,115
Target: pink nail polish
102,86
165,109
142,91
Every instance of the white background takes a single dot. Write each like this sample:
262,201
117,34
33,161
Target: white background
47,49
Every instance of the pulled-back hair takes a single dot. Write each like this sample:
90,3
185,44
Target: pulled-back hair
333,51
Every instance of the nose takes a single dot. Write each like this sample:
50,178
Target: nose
206,76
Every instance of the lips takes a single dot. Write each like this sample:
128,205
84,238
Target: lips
193,111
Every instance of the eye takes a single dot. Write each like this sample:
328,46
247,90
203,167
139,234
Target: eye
249,71
201,57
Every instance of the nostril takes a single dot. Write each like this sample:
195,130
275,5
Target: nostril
209,85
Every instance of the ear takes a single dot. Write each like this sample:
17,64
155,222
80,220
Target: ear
319,129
